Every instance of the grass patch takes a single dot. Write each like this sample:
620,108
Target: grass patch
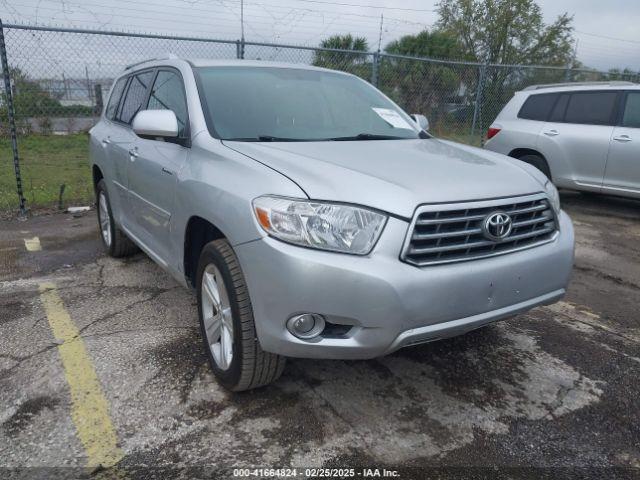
46,162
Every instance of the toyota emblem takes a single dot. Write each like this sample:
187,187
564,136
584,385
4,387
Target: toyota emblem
497,226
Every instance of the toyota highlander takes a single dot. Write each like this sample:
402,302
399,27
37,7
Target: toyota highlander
313,216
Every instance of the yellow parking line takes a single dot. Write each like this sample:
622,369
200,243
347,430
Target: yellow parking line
89,407
32,244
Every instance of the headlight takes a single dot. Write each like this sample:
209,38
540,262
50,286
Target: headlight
554,196
340,228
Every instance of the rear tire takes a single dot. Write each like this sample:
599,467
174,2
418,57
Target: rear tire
538,162
114,240
227,324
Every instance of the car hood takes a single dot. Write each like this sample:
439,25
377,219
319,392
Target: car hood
393,175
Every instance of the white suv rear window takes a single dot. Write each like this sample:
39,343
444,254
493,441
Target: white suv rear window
538,107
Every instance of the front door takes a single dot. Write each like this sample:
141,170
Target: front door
122,143
623,165
156,165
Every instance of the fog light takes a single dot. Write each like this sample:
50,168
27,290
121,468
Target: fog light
306,325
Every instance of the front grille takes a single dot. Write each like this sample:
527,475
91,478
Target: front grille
453,232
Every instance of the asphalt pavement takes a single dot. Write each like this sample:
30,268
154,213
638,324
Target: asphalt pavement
101,363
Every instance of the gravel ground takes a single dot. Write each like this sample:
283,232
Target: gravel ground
552,392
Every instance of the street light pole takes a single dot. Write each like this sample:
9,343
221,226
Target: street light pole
241,28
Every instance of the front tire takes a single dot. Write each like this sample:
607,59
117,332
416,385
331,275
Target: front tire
114,241
227,324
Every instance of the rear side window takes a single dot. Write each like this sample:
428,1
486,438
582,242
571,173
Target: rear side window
114,100
591,108
557,114
538,107
631,117
134,97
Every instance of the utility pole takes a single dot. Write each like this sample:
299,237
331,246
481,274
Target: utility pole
376,56
571,62
380,36
241,28
86,76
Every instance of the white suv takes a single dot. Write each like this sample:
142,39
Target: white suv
583,136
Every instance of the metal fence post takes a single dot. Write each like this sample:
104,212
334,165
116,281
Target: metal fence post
12,119
241,49
477,106
374,69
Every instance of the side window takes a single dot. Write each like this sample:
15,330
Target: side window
135,96
537,107
168,94
631,117
591,108
114,100
557,114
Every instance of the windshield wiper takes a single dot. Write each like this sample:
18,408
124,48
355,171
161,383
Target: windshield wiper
267,138
368,136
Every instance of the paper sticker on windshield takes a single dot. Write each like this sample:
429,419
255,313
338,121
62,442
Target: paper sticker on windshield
392,117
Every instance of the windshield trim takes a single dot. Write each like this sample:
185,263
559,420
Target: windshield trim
206,111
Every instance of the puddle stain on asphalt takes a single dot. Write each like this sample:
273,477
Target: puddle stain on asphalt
430,399
13,310
26,413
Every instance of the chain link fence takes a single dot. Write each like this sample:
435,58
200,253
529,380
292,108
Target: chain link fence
59,80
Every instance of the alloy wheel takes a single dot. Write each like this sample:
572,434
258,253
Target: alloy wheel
217,317
104,218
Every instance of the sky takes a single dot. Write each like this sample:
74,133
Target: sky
607,33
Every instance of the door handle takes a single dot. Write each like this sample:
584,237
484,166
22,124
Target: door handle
106,141
622,138
168,172
551,133
133,154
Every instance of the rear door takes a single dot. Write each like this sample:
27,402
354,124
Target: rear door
575,139
154,173
122,140
103,132
623,165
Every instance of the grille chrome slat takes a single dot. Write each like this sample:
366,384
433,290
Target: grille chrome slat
436,221
536,208
533,221
483,243
453,232
457,233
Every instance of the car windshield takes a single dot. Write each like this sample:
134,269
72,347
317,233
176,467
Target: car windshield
289,104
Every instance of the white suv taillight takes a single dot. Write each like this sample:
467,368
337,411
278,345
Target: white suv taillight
492,132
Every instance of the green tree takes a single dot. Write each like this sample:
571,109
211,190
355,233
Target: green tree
421,86
29,100
347,61
507,31
622,74
434,44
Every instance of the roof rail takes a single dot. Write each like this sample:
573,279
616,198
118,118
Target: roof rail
612,83
169,56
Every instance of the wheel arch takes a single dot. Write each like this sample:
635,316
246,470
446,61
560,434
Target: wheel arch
97,176
198,232
518,153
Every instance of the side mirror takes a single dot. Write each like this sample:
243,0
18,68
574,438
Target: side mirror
156,123
421,121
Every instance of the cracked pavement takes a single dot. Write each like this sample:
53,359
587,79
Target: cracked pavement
555,387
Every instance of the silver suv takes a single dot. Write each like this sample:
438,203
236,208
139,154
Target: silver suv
583,136
314,217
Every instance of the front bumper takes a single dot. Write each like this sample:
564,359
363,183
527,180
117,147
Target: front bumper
391,304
